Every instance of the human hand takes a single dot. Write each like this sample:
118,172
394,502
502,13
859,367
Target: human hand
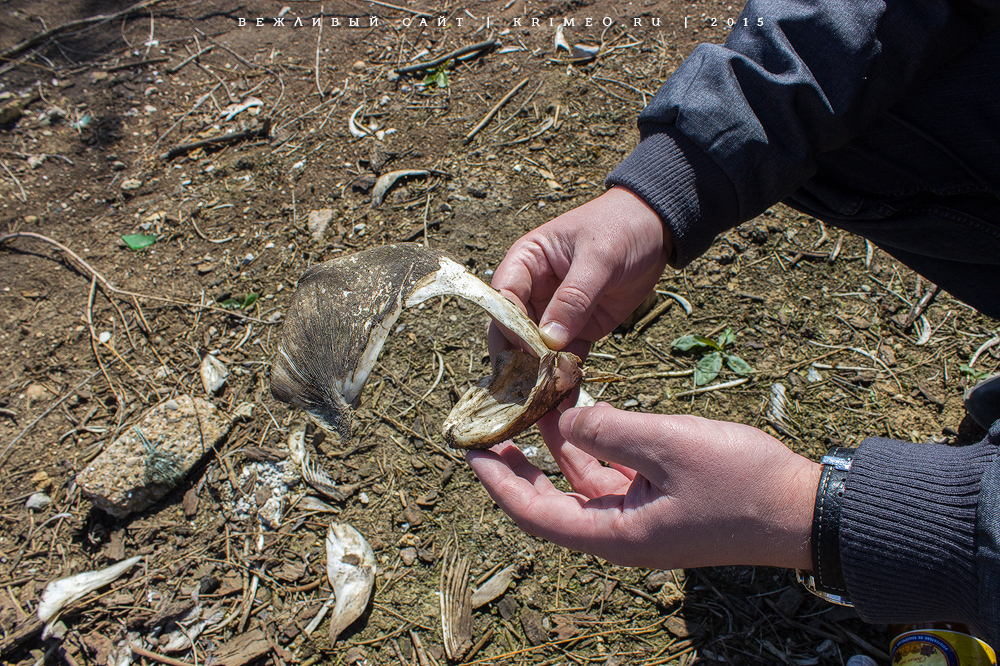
681,491
582,273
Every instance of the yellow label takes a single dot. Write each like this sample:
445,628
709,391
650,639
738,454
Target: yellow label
938,647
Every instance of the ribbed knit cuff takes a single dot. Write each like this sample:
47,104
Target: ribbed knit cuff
691,194
908,528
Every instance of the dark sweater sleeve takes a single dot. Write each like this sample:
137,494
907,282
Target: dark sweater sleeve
920,536
737,128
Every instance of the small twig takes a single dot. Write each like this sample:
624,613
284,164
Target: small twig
24,197
983,347
415,12
713,387
651,317
72,25
488,45
3,454
163,659
921,305
82,265
176,68
233,137
319,40
137,63
493,112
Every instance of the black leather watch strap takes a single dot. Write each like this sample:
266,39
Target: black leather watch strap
827,572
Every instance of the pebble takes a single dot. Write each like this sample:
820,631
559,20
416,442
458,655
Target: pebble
131,184
408,555
38,501
359,66
319,220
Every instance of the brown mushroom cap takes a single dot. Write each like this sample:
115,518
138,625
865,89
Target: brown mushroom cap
343,311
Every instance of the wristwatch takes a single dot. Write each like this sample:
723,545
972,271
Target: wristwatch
826,580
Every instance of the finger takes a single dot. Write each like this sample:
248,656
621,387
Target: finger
583,471
553,515
635,441
573,303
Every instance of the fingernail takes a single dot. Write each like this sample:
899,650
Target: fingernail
566,421
554,334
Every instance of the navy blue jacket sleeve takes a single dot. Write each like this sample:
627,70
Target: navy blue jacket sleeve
737,128
920,533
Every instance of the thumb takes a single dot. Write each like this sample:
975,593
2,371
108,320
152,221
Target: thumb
573,303
631,439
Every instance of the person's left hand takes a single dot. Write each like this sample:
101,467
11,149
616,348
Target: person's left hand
681,491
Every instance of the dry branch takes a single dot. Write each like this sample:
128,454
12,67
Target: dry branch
72,25
483,47
233,137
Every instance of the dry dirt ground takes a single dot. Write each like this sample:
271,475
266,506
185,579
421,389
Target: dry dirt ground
813,310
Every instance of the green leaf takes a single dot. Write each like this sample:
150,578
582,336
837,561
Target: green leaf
249,300
687,342
708,368
727,338
441,79
139,241
973,373
231,303
708,342
738,365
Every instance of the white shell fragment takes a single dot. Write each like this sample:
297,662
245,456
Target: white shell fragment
560,40
357,131
350,567
213,374
59,593
343,312
495,586
387,180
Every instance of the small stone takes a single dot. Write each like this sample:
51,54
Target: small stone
359,66
35,392
172,405
41,480
30,219
38,501
35,161
98,76
319,220
131,184
408,555
104,338
118,166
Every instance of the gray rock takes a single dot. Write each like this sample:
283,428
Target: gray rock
145,463
38,501
319,220
131,184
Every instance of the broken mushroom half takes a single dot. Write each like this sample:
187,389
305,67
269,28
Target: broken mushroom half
343,312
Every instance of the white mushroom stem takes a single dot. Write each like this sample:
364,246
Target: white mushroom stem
454,280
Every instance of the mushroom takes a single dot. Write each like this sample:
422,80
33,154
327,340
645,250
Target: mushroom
343,312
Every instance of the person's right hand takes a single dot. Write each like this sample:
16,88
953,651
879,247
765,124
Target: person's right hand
582,273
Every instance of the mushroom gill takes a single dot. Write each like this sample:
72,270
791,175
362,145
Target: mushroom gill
343,311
